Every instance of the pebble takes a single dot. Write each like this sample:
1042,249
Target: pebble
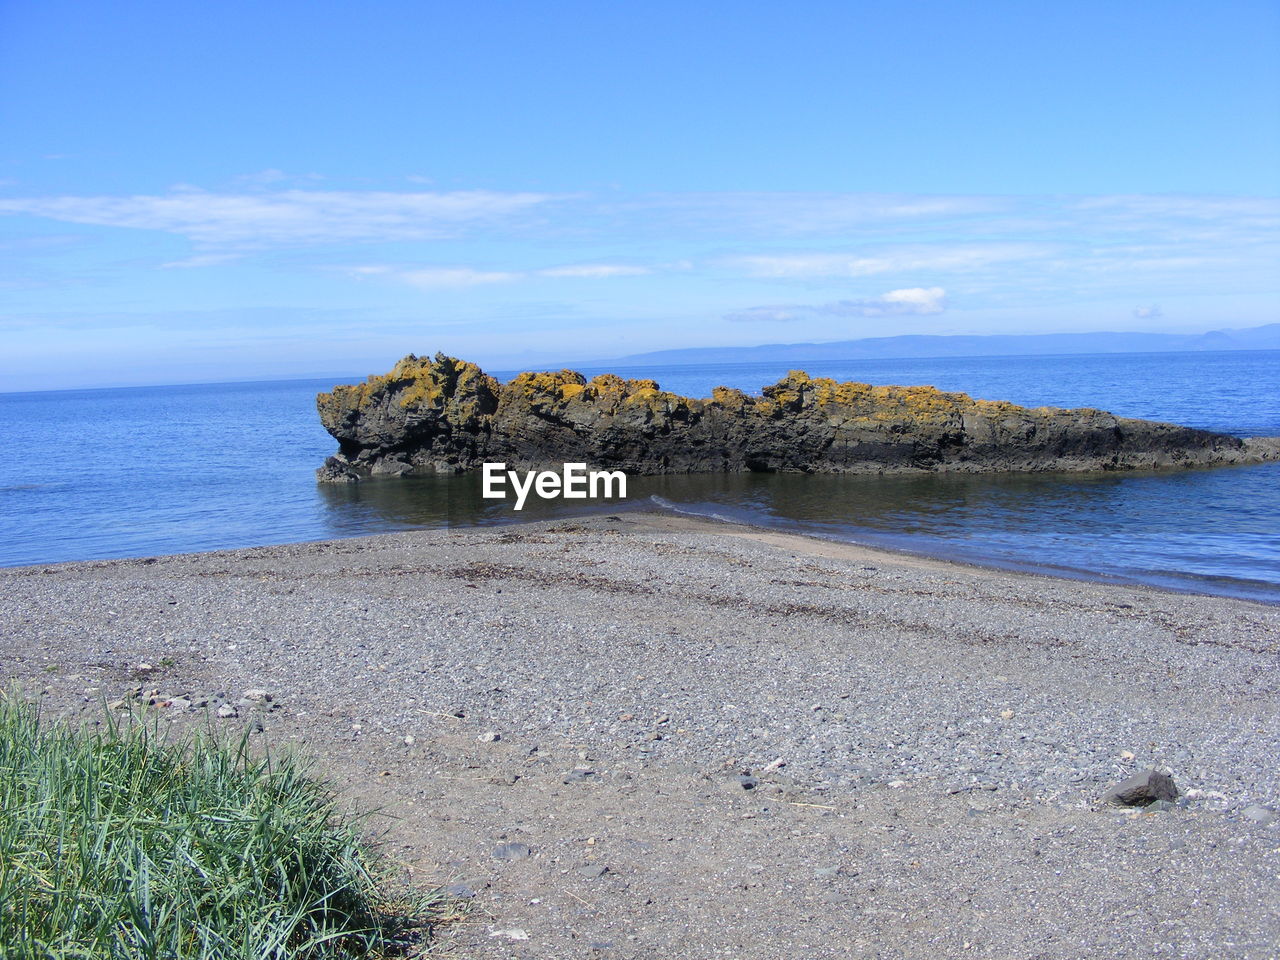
911,719
489,737
227,711
512,934
593,871
1258,813
511,851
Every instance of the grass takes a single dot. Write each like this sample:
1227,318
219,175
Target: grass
122,842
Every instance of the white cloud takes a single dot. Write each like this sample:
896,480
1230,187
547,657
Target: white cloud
594,271
778,314
911,301
792,213
1152,312
1150,207
455,276
287,216
915,258
914,300
201,260
436,277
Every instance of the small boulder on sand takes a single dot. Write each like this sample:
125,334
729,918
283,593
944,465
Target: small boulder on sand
1142,789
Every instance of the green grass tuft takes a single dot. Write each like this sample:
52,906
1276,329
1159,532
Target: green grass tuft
125,843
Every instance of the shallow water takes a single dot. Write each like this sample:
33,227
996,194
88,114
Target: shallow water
143,471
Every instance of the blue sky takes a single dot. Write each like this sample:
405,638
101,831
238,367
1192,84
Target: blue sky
195,191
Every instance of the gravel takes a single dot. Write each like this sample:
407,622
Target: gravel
780,746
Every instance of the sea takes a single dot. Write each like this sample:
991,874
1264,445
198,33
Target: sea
144,471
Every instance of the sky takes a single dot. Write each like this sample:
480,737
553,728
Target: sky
199,192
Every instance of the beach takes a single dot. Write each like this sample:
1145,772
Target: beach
647,736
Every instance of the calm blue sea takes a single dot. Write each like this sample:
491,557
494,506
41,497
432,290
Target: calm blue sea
91,474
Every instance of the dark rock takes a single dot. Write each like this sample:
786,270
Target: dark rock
446,415
1142,789
593,871
748,782
578,774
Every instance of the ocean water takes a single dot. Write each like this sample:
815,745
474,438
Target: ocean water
91,474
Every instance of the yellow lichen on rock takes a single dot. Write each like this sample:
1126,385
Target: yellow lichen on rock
546,385
447,415
827,392
420,390
728,397
607,383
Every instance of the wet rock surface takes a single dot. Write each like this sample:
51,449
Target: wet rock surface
447,415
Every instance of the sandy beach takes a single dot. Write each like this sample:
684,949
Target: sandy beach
652,737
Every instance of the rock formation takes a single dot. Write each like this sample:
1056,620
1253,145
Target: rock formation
447,415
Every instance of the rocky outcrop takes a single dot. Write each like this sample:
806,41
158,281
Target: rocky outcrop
447,415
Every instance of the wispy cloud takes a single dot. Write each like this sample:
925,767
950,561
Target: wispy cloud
201,260
440,277
463,276
435,277
896,303
942,257
594,271
287,216
688,251
1152,312
1180,206
793,213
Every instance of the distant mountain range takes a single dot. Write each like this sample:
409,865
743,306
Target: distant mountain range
999,345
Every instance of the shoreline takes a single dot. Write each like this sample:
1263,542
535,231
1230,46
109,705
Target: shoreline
1176,582
1165,582
714,739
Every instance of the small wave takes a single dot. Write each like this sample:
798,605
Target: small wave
666,504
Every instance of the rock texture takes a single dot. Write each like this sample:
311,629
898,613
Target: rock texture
447,415
1142,789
